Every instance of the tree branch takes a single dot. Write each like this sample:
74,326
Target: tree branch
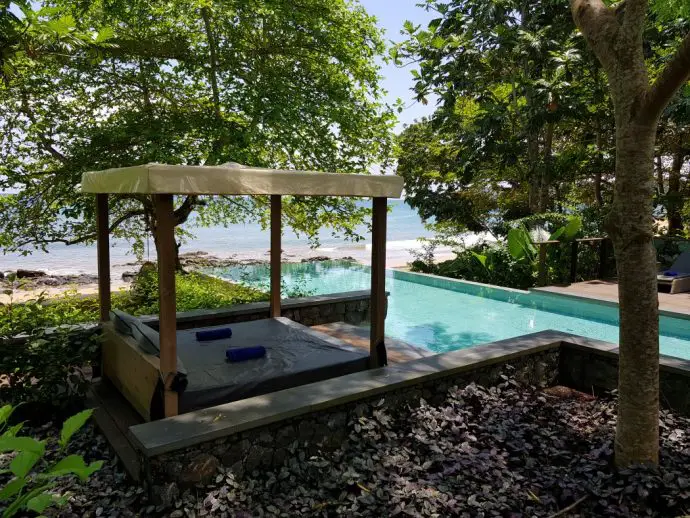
81,239
673,76
46,143
599,25
183,211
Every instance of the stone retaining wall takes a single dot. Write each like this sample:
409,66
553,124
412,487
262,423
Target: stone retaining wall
272,445
592,370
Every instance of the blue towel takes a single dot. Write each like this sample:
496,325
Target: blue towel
241,354
670,273
213,334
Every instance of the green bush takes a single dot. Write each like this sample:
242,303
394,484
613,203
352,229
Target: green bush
485,263
193,291
50,372
33,476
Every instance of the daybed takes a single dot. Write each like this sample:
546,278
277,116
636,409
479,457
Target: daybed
164,372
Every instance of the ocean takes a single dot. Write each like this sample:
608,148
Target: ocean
240,241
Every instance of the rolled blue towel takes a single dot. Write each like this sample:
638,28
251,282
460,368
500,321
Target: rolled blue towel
670,273
213,334
241,354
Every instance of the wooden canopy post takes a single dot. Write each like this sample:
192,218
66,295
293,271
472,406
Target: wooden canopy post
377,347
103,252
165,233
276,231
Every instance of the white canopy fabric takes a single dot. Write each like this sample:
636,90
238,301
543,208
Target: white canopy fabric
236,179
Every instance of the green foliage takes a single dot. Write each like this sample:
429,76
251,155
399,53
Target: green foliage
33,476
520,244
523,121
193,291
265,83
484,262
50,369
514,262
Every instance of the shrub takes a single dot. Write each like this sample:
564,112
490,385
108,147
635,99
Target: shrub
193,291
486,263
50,372
33,476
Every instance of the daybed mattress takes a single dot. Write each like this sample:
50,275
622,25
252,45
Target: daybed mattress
295,355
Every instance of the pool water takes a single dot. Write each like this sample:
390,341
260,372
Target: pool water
446,314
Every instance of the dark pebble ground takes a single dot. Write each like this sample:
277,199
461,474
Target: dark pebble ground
505,451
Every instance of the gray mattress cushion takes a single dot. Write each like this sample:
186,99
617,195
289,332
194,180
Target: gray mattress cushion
146,337
294,356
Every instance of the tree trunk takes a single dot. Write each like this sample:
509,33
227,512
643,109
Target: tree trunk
659,175
637,431
674,197
616,34
546,171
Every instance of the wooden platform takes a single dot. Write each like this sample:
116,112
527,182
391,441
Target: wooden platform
608,291
358,336
114,415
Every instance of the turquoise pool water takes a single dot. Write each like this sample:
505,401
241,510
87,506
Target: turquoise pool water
444,315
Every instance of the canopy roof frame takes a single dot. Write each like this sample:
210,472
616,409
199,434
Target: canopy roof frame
163,181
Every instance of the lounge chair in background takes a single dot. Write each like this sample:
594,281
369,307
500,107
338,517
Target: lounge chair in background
677,277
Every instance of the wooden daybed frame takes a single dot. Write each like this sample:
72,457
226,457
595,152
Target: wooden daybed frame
137,374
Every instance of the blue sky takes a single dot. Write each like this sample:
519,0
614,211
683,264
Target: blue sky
391,14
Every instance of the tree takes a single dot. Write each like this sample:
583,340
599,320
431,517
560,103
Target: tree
523,123
616,35
270,83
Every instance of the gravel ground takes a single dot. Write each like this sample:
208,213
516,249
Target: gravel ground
505,451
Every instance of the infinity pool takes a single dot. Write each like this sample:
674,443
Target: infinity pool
445,314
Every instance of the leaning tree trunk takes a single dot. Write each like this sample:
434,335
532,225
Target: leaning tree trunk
616,34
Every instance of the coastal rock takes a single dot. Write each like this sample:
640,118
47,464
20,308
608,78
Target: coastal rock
29,274
50,281
316,259
129,276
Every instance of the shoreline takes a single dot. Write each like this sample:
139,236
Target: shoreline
37,283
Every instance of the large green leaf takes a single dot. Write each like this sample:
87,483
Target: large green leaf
22,444
73,425
13,487
74,465
520,244
23,462
481,258
572,228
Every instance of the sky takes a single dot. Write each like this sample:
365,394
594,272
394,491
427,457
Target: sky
391,14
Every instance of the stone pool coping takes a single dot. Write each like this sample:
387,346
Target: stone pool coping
187,430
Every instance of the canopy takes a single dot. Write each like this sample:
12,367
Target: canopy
237,179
